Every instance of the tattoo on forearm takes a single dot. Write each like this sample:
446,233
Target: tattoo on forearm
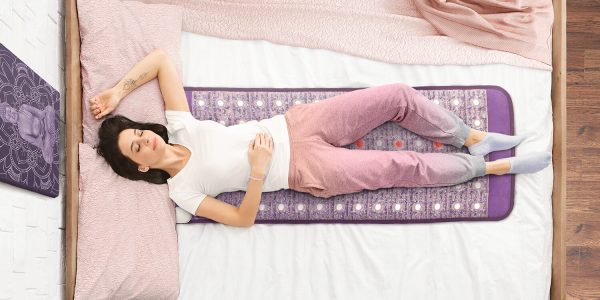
131,84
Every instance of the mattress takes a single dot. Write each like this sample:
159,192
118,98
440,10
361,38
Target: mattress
507,259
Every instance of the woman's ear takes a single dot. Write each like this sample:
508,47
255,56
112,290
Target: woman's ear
143,169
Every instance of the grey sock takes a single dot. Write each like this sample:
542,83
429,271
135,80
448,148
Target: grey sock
529,163
495,142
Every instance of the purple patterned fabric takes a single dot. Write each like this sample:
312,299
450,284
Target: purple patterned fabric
484,198
29,109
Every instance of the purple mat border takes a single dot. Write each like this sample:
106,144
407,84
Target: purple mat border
496,209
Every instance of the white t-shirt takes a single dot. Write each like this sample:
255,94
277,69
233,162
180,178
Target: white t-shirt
219,157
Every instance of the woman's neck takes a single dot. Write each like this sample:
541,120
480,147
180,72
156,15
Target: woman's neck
176,157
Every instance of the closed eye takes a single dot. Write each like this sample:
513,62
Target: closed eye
135,132
138,146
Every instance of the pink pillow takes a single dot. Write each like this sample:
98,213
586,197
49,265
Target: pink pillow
127,243
115,36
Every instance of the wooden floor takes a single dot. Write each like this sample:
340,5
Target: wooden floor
583,149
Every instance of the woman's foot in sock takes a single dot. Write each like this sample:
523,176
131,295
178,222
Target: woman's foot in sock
526,163
493,142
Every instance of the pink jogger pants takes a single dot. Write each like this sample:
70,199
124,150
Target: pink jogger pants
320,166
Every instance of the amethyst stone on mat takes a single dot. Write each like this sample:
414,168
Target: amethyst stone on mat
487,198
29,109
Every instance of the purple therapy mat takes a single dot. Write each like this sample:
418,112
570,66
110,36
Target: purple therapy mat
487,198
29,113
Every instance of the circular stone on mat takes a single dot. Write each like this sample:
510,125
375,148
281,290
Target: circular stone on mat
261,207
476,205
377,206
278,103
417,206
300,206
456,101
319,206
240,103
297,102
477,185
475,101
200,102
259,103
457,206
358,206
437,206
477,122
339,206
436,101
397,206
280,206
220,103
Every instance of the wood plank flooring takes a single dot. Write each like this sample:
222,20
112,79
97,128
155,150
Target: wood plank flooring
583,149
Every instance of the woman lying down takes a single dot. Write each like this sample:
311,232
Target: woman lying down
299,150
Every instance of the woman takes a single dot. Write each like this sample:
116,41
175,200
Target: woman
300,150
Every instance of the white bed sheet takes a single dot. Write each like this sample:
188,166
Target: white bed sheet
508,259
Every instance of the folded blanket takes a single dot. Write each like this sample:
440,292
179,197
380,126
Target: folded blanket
388,31
520,27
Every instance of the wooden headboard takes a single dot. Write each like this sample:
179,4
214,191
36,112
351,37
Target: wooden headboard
74,137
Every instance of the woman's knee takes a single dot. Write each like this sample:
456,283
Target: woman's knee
403,89
402,95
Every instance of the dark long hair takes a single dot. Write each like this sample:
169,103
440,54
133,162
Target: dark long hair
108,147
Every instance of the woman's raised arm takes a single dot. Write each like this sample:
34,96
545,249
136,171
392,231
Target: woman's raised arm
155,64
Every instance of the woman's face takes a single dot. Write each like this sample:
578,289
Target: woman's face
144,147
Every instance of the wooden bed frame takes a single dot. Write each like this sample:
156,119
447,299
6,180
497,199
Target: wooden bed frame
559,149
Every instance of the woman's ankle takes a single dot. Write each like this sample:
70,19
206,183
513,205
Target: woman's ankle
475,136
497,167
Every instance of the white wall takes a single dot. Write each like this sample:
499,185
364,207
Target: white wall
32,225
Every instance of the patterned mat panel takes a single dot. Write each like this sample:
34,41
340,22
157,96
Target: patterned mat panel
467,201
29,114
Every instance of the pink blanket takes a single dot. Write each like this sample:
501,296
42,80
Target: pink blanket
386,30
520,27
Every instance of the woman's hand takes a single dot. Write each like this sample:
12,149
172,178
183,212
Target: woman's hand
259,154
104,103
